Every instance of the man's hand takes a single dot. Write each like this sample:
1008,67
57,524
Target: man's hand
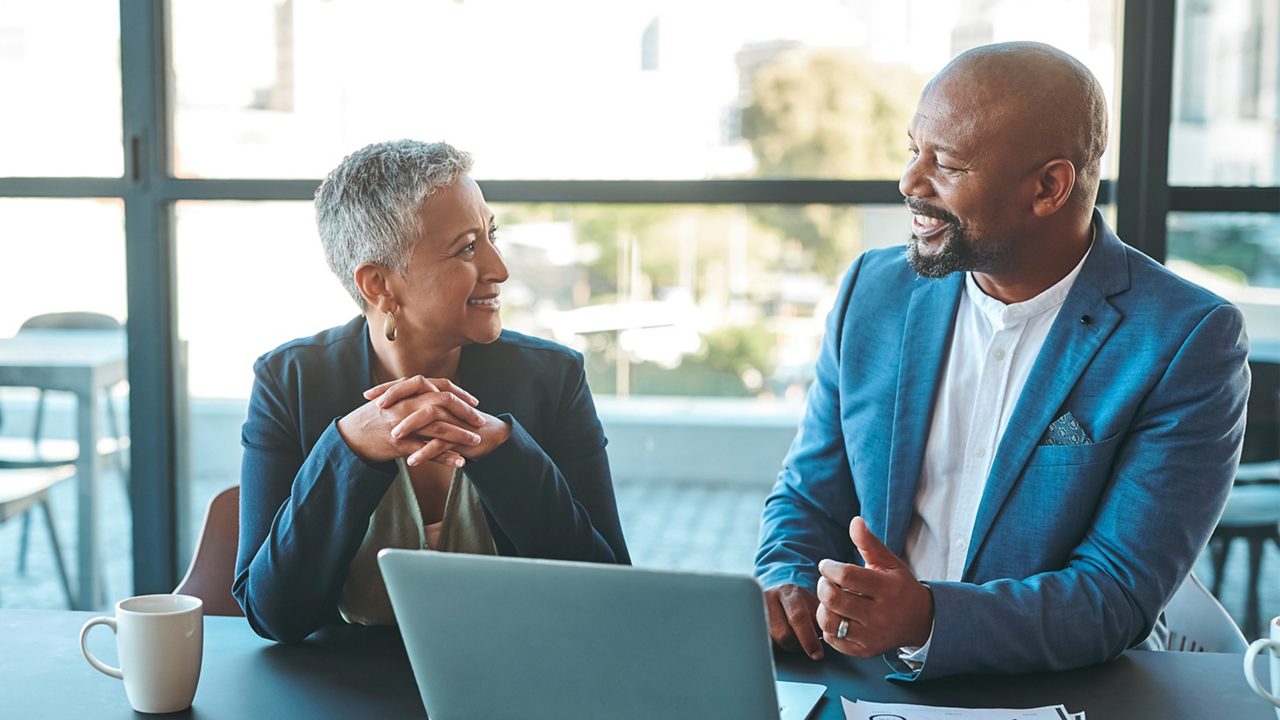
792,624
885,606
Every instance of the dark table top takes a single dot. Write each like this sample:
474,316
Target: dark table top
346,672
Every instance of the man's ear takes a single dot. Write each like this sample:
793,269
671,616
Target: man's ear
374,282
1055,181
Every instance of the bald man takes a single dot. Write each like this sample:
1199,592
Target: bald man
1022,431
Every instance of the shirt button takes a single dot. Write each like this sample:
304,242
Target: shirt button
999,355
959,543
979,452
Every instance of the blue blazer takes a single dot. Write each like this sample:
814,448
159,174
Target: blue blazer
306,498
1076,548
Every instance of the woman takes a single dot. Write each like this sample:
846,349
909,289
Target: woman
420,423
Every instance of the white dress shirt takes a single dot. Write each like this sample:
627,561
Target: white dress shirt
993,347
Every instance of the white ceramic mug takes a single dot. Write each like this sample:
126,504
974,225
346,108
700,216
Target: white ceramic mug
160,642
1249,662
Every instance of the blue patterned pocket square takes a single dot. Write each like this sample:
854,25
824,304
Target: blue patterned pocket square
1066,430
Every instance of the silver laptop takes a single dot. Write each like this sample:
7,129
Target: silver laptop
493,637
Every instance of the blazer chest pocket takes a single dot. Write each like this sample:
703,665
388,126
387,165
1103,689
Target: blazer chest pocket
1088,454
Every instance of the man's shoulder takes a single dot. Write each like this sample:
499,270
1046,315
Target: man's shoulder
886,262
1155,288
881,272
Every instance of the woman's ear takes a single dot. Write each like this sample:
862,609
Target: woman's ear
374,283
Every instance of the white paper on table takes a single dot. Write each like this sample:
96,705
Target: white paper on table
863,710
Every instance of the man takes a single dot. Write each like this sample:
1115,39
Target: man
1032,427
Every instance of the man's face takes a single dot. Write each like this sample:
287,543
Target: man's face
966,183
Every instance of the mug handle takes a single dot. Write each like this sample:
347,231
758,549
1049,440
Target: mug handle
1250,656
84,648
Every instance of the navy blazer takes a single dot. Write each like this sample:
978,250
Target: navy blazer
1076,549
306,498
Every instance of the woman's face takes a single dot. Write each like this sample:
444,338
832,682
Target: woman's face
449,294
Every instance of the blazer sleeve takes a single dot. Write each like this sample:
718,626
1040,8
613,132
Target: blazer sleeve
302,516
1168,486
805,515
555,502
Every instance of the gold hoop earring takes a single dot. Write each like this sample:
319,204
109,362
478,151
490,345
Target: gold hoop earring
389,325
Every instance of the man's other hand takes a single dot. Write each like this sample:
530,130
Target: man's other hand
792,619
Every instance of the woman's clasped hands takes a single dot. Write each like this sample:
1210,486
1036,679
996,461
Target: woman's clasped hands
421,419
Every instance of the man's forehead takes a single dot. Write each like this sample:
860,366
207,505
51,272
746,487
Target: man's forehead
962,110
940,123
958,92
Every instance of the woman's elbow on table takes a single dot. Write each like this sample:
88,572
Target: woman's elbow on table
279,624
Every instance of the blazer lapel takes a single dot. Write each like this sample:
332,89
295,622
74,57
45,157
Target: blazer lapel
1067,351
926,334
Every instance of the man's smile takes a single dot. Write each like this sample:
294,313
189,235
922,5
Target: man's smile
927,222
926,227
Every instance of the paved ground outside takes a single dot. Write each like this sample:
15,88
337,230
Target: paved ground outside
668,525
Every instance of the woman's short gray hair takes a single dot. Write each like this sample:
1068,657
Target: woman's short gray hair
367,208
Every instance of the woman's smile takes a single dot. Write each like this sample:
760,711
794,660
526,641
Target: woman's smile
488,302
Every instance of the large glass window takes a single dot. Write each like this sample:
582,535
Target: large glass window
60,80
655,90
62,305
1226,94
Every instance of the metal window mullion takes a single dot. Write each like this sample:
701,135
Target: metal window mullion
155,399
1224,199
622,192
679,192
57,187
1142,183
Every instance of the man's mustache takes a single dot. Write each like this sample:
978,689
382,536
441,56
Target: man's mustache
920,207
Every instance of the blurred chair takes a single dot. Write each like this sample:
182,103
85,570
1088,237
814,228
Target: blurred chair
21,490
1252,513
213,565
1198,622
38,452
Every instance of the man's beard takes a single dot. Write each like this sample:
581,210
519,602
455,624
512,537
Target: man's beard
957,252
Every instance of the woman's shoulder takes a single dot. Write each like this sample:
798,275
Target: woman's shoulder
327,348
514,346
515,364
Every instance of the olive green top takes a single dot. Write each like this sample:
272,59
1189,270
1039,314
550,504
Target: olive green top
397,523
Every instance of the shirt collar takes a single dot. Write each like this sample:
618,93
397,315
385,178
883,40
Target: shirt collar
1002,315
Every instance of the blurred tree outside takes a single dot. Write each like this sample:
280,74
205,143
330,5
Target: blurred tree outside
710,256
1235,251
602,226
733,363
827,113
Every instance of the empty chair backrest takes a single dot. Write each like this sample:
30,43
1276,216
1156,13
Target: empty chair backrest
214,564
